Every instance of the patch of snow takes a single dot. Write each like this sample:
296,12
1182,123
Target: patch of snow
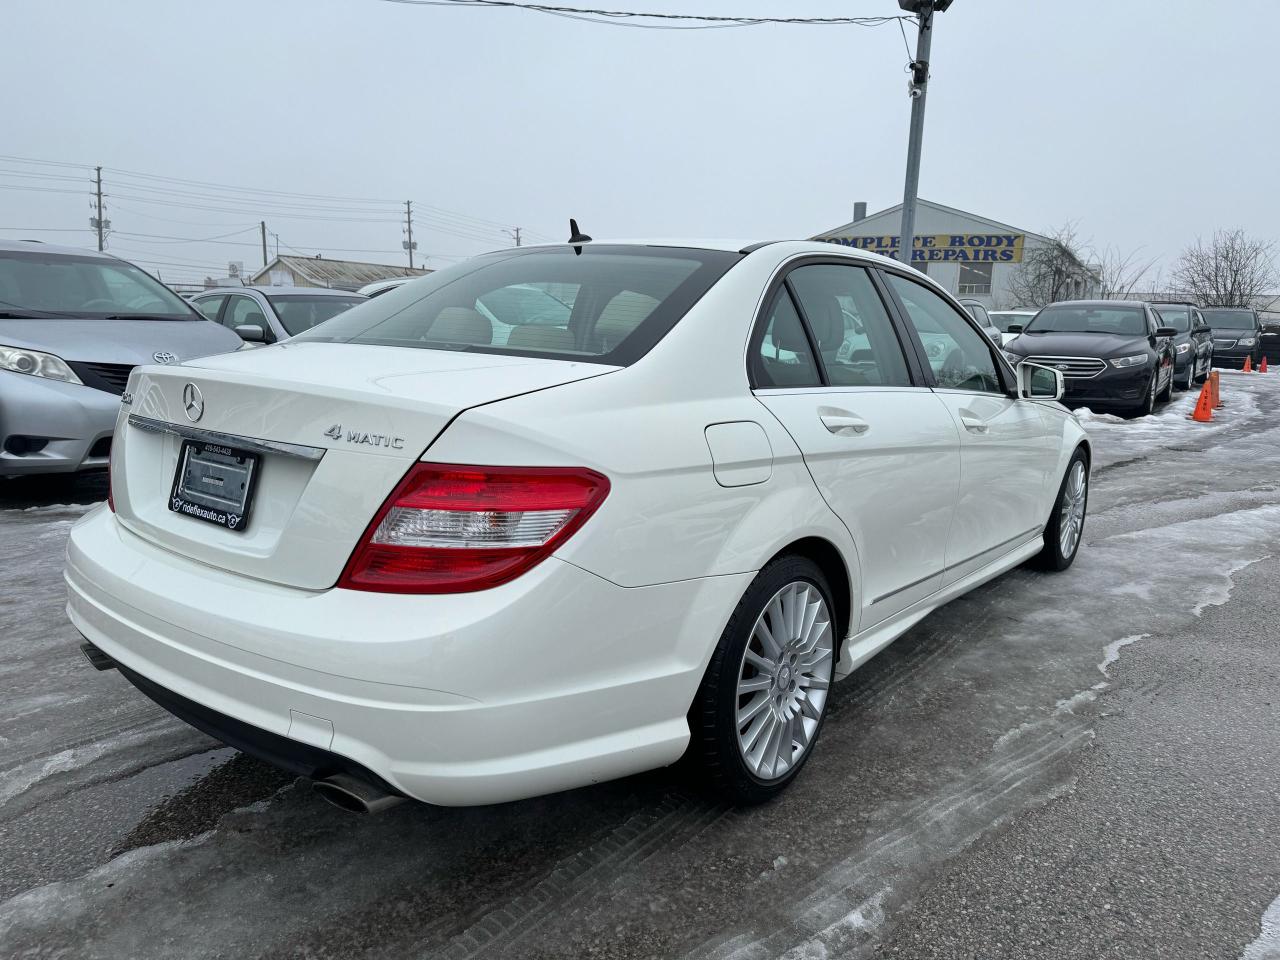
1220,593
863,919
62,508
1111,652
1267,946
1080,699
26,775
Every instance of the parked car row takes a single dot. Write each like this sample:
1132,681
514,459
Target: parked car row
1128,356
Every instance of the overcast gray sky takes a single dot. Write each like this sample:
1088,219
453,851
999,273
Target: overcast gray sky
1147,122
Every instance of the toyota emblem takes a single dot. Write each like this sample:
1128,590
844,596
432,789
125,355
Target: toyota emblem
192,402
164,356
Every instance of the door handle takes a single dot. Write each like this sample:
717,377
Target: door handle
844,425
973,424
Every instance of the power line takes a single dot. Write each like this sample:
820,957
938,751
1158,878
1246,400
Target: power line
665,21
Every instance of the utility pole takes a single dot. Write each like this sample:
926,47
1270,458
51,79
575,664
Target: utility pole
514,234
917,87
408,244
99,223
263,225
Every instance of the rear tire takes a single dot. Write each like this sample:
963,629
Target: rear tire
1167,394
1065,530
763,698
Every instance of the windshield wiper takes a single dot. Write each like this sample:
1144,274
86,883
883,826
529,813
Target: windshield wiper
22,315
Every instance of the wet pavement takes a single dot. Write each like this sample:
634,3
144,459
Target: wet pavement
1081,764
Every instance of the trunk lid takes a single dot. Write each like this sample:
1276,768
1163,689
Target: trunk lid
335,427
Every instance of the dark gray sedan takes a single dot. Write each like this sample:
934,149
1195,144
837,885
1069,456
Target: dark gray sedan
73,325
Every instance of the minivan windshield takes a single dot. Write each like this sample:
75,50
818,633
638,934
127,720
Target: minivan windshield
1002,319
45,284
607,304
1079,318
1229,319
1175,315
299,312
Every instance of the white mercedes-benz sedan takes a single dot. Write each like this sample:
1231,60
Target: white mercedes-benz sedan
562,514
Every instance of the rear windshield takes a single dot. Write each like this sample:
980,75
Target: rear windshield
44,284
607,304
1176,316
1229,319
1077,318
298,312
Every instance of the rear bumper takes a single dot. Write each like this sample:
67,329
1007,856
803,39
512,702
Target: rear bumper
556,680
72,420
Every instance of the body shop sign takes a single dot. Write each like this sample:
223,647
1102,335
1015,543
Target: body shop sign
958,247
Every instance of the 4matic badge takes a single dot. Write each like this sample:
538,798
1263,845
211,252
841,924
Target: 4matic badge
368,439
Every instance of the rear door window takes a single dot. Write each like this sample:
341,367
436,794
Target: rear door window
784,355
847,317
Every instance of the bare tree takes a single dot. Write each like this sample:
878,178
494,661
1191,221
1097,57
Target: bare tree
1232,270
1120,274
1050,271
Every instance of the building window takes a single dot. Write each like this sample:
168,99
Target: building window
975,278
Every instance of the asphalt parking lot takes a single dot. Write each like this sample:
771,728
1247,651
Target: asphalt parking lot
1077,765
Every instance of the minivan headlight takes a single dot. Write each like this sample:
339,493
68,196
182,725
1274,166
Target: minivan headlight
1132,360
36,364
1246,341
1013,358
1182,348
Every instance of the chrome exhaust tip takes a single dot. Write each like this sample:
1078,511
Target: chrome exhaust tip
355,795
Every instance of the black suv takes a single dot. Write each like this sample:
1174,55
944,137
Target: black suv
1192,347
1271,338
1237,334
1113,354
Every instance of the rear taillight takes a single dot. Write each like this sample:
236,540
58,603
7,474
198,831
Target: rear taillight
456,529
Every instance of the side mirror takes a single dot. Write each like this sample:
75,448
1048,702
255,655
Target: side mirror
1015,328
1166,331
251,333
1038,382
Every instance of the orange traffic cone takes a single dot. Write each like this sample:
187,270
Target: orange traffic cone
1215,381
1262,367
1204,406
1248,364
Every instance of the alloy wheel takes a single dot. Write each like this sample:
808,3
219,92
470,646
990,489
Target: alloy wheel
1071,513
783,680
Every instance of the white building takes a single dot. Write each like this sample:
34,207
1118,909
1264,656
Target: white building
972,256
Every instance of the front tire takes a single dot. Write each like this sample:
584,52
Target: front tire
1148,405
763,697
1065,529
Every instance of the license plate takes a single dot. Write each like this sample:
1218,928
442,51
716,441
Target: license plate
215,484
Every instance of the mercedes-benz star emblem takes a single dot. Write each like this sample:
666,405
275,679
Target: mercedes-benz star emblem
164,356
192,402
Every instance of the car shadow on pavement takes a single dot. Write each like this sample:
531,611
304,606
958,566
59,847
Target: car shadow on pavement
42,490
